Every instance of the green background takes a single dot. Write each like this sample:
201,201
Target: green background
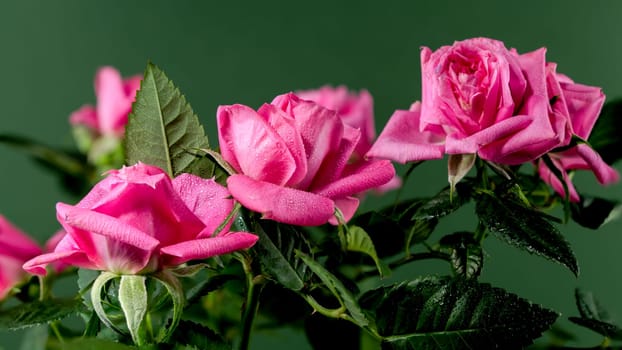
224,52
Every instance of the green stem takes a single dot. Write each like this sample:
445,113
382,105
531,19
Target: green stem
253,289
317,307
482,174
480,232
54,328
407,259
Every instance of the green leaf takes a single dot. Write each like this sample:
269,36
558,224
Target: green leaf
594,316
93,344
605,137
162,128
133,299
465,253
525,228
336,287
200,337
206,286
357,240
444,203
72,169
594,212
391,232
444,313
176,292
276,252
38,312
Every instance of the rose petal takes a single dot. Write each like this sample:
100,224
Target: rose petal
252,146
314,123
347,206
402,141
86,115
204,248
208,200
112,103
603,172
282,204
360,178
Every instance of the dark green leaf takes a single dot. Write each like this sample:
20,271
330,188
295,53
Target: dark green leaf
444,203
276,251
444,313
605,137
466,255
338,289
593,212
198,336
85,281
93,344
523,227
357,240
603,328
162,129
72,169
206,286
38,312
392,232
594,316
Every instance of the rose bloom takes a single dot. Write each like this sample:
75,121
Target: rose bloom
357,111
16,247
292,158
581,105
478,98
115,96
137,220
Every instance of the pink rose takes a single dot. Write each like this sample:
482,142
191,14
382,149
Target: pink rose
478,98
138,220
580,105
357,111
115,96
292,158
15,248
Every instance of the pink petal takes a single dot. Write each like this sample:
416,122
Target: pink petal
15,243
112,244
549,177
402,141
336,160
604,173
86,115
112,103
252,146
208,200
314,123
347,206
362,177
67,252
11,274
285,126
584,105
204,248
282,204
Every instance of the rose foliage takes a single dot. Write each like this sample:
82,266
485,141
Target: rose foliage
184,245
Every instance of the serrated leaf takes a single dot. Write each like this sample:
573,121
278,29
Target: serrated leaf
465,254
605,137
432,313
197,336
357,240
206,286
38,312
444,203
525,228
162,128
338,289
276,252
594,212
